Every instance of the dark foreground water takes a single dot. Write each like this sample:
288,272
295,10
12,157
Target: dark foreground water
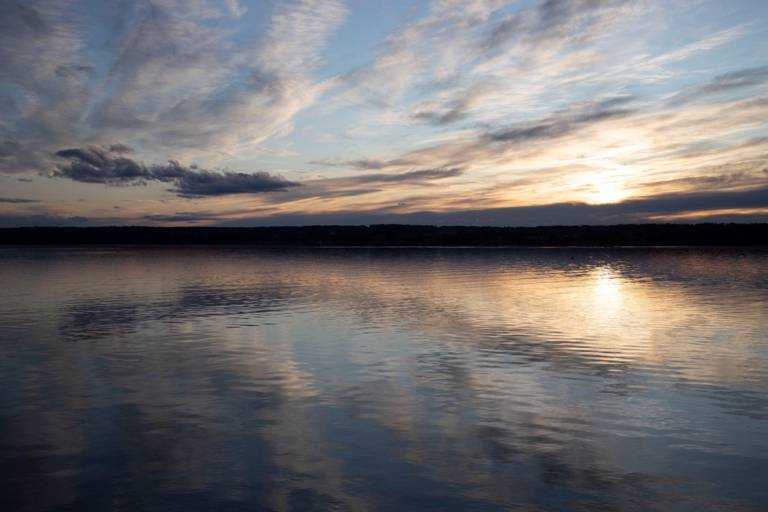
404,380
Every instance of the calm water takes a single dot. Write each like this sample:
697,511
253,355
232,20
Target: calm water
241,379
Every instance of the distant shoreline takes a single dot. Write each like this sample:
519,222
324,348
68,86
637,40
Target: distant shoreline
401,236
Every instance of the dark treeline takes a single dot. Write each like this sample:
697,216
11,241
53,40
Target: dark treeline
399,235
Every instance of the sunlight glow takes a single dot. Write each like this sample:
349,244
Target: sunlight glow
326,111
607,193
606,284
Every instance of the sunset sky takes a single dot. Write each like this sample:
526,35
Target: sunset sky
195,112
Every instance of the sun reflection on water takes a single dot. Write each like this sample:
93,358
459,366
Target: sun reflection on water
607,286
333,374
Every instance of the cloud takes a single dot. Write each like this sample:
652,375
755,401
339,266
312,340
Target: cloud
410,176
501,103
476,148
726,82
325,190
733,175
365,163
17,200
618,142
95,164
184,84
21,220
736,80
650,209
184,217
557,21
462,45
731,206
120,148
502,32
457,109
175,78
8,146
200,183
554,127
45,80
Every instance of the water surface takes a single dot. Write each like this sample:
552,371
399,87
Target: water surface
379,379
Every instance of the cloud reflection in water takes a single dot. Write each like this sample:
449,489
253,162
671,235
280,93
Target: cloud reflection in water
383,380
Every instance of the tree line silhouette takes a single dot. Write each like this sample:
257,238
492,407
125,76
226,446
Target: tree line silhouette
399,235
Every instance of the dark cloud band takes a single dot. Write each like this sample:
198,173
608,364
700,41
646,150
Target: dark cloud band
96,164
16,200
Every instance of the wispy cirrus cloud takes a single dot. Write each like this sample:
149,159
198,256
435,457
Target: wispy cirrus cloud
481,103
179,81
727,82
46,79
420,175
233,96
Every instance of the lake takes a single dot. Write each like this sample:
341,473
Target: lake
383,379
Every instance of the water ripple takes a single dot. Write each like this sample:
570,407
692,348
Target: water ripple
233,378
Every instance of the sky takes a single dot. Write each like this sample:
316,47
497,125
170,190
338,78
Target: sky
473,112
